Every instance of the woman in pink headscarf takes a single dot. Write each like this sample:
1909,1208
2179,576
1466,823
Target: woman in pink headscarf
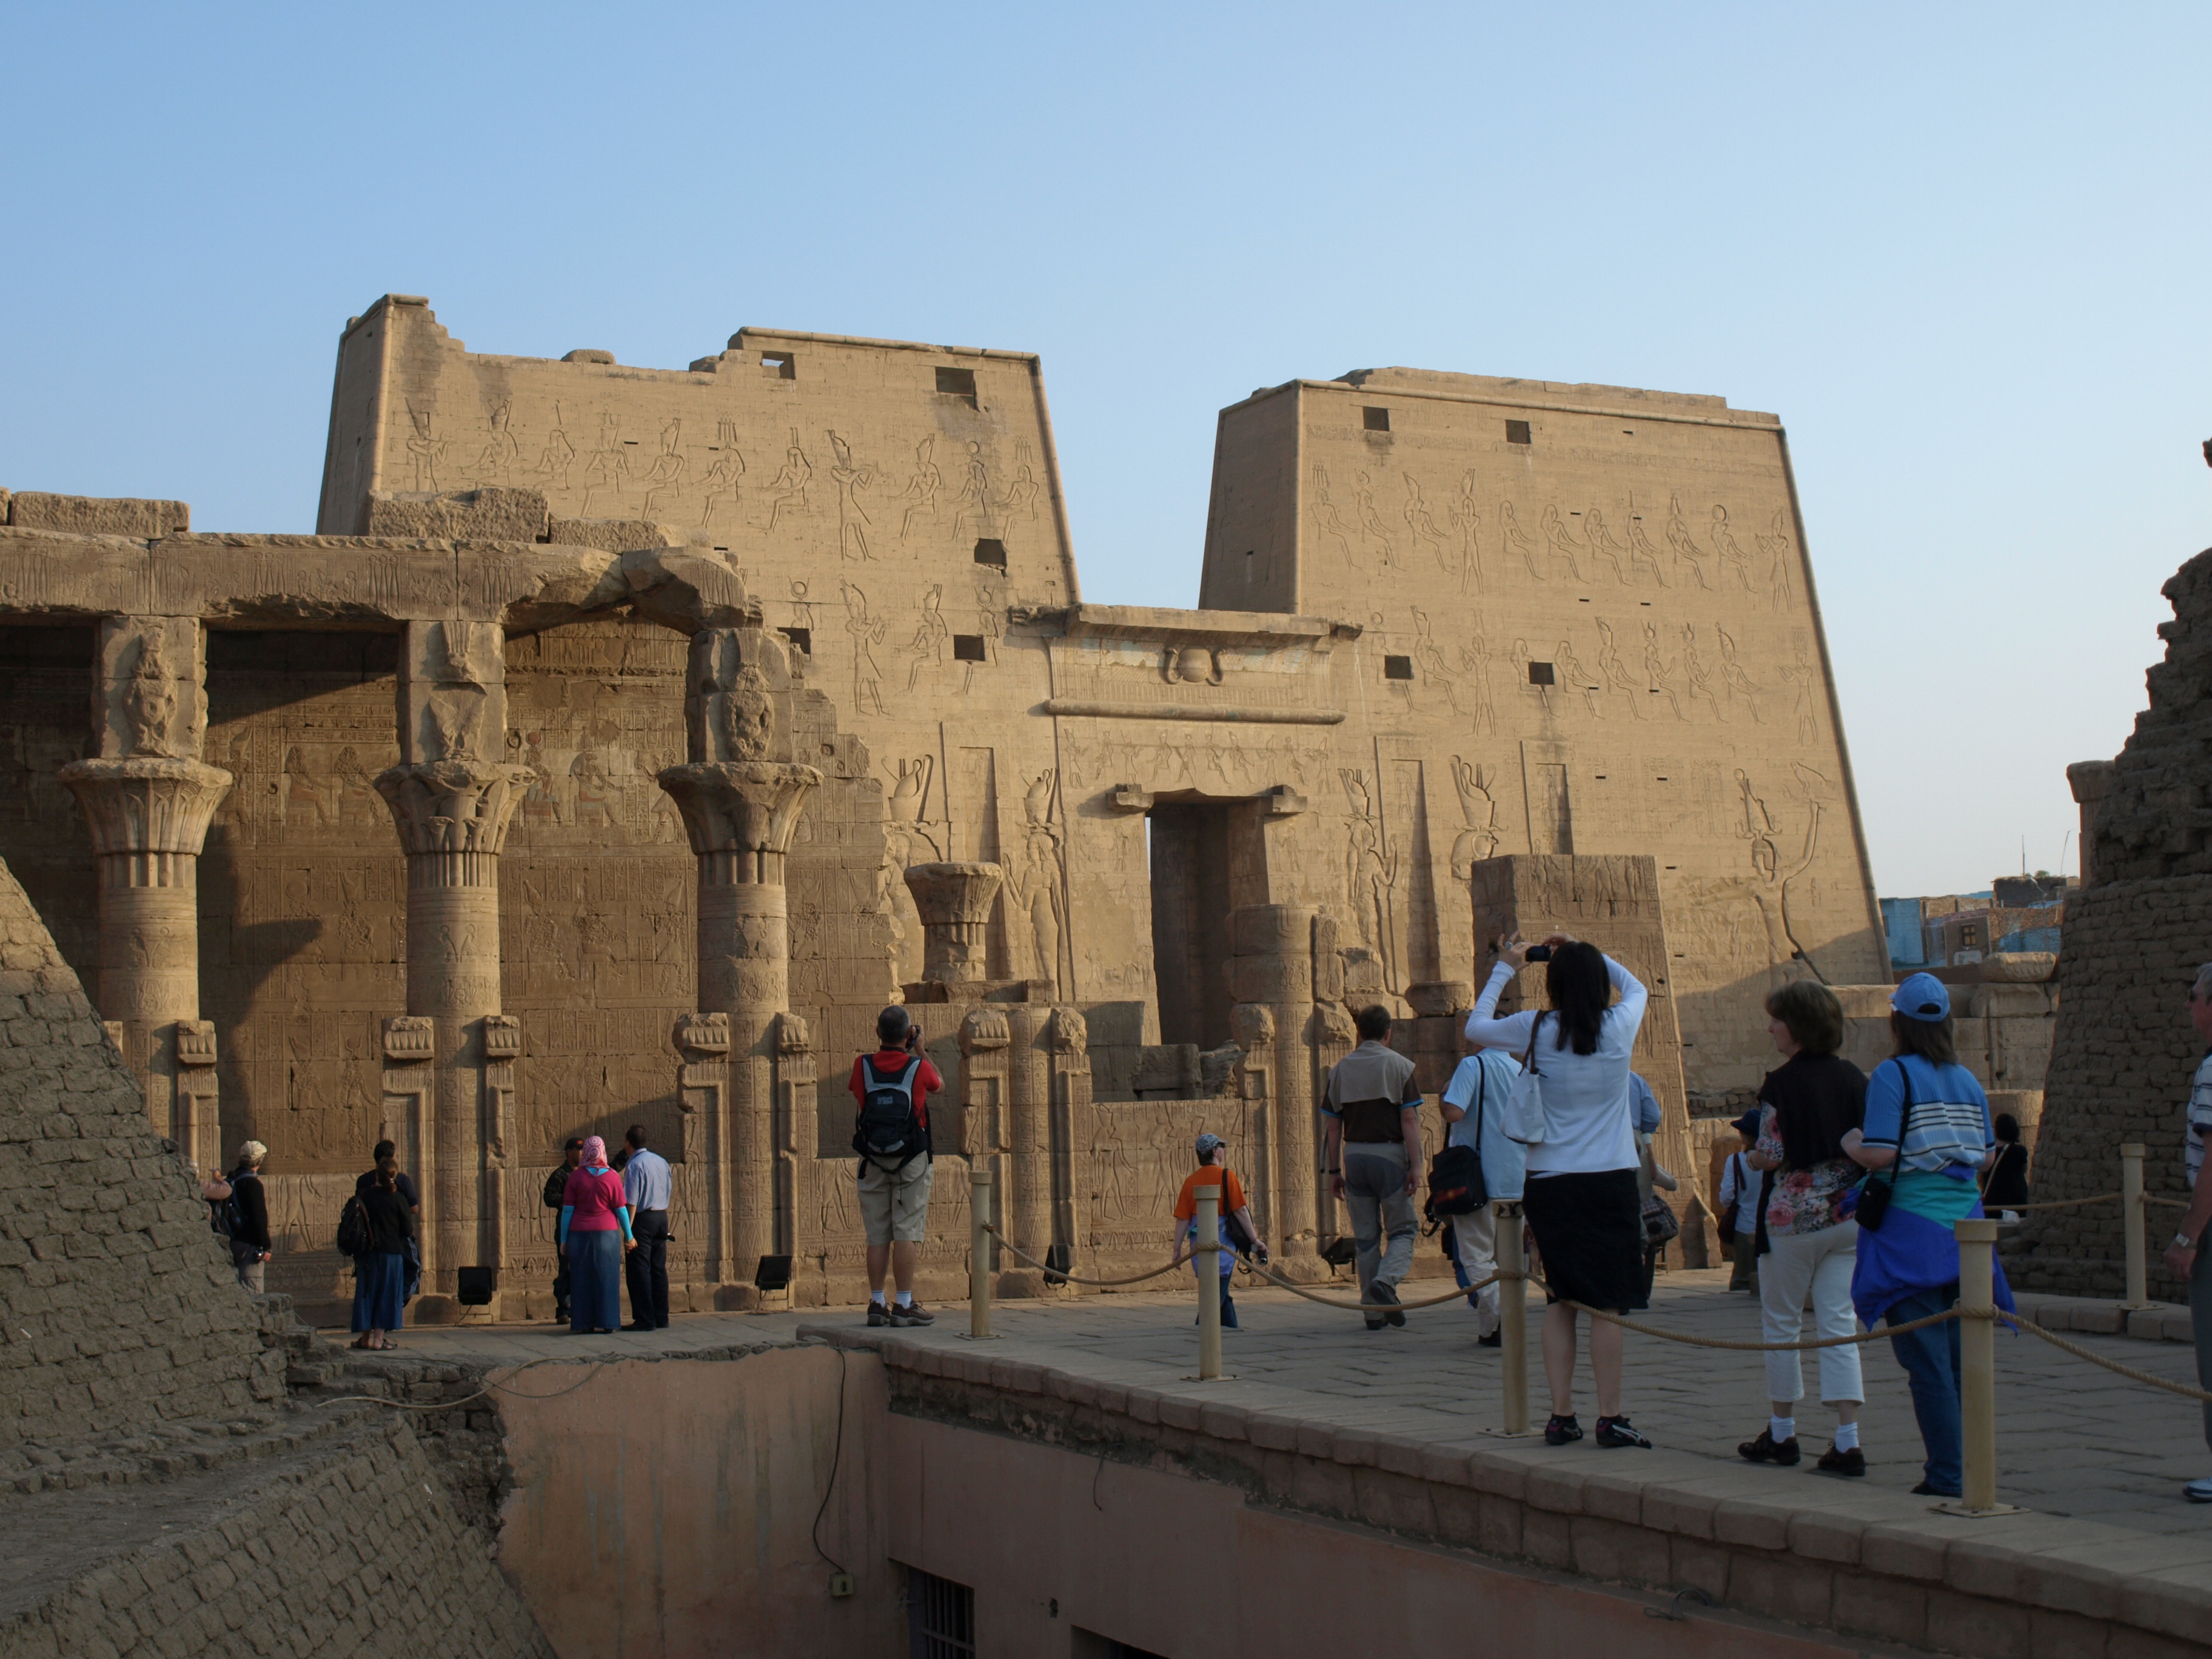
594,1214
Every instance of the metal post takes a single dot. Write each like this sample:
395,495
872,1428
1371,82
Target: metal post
1977,1366
1205,1257
2131,1213
979,1250
1512,1312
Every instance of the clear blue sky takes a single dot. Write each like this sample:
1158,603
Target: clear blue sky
1962,251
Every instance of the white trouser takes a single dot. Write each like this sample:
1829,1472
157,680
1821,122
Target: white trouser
1822,1263
1474,1234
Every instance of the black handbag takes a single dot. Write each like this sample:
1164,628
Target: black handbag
1873,1198
1456,1185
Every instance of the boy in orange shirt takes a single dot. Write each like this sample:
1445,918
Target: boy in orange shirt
1234,1214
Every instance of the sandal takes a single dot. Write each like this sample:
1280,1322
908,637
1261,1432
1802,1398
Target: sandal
363,1344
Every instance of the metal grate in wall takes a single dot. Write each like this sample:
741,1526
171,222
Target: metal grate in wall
940,1617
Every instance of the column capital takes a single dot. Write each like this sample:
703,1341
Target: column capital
955,901
147,804
461,805
744,811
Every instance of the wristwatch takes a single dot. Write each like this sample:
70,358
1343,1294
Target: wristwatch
2184,1242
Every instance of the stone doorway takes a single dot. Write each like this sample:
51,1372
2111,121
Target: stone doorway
1191,851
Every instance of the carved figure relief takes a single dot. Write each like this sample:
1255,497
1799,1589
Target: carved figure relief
1371,521
990,627
1371,871
1805,677
1616,672
1431,659
1731,556
149,703
555,459
851,478
1735,680
1509,527
1640,550
791,482
909,798
921,497
1326,515
747,717
931,634
666,476
1557,539
974,499
1021,497
1572,674
1700,676
1466,518
1474,663
606,469
1659,669
1603,545
423,448
1685,547
1775,543
496,460
1770,881
1423,526
867,633
1479,807
1037,883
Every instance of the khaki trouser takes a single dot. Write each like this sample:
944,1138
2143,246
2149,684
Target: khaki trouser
1475,1237
1374,1192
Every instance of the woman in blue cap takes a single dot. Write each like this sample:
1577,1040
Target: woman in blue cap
1927,1139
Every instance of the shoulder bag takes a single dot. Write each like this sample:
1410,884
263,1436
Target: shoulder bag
1874,1196
1525,1121
1456,1185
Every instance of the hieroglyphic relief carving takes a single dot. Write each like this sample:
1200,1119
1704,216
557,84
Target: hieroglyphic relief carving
851,478
1370,520
424,449
1326,515
723,476
1686,550
973,502
921,497
1020,499
1603,545
1735,679
931,634
1736,563
1190,665
150,703
1474,660
1700,677
1641,552
1617,677
791,482
1775,543
1509,528
666,476
606,469
554,459
1805,680
1036,881
1478,808
1371,872
1770,881
1659,669
1430,657
1421,524
1562,544
867,633
1466,519
1570,672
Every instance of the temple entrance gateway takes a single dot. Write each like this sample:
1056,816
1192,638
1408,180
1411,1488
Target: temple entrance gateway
1189,855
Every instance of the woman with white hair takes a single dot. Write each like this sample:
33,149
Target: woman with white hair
247,1214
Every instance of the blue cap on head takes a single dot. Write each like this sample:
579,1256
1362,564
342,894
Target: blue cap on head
1207,1143
1747,1125
1921,996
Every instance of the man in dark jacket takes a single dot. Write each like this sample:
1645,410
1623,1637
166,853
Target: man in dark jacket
555,1184
248,1211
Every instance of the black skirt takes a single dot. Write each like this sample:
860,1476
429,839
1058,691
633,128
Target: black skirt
1589,1229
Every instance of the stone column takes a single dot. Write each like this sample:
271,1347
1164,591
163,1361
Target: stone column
955,901
452,802
1273,966
740,808
2091,781
147,801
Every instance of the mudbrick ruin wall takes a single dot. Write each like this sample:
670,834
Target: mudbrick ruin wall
165,1494
2136,934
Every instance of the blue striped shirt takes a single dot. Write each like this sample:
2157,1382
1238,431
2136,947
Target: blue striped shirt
645,1180
1950,1114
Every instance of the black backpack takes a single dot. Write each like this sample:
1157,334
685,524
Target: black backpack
230,1215
1456,1185
355,1236
890,1129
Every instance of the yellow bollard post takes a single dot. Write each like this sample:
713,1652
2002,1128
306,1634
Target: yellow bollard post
1206,1254
2131,1213
1978,1371
1513,1313
979,1250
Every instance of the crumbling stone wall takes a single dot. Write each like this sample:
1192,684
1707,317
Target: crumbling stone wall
2124,1051
120,1305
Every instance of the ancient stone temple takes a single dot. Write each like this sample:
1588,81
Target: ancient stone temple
627,737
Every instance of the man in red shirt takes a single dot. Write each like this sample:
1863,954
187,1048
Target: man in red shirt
1232,1219
891,1095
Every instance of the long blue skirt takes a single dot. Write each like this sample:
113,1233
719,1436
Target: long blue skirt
380,1290
595,1280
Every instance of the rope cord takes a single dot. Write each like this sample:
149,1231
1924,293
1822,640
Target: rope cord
2063,1203
837,1456
1012,1249
592,1369
2080,1352
1273,1277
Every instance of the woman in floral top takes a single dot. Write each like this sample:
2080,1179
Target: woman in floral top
1807,1105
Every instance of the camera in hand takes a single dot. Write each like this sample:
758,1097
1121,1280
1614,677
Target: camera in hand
1539,953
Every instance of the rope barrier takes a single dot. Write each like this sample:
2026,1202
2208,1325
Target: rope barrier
593,1369
2063,1203
1376,1307
2080,1352
1012,1249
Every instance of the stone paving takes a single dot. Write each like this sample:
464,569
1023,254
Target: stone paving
2073,1440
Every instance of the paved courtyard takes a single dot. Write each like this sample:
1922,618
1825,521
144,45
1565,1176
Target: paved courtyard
2073,1440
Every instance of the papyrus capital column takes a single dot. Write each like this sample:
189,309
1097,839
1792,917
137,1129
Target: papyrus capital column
452,800
955,903
147,801
741,805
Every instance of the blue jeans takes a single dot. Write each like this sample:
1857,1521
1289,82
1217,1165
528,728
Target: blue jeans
1930,1358
1199,1264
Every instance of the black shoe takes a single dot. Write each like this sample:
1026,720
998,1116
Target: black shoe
1495,1339
1767,1449
1560,1429
1924,1490
912,1312
1379,1292
1618,1431
1850,1461
639,1325
879,1313
1373,1323
561,1317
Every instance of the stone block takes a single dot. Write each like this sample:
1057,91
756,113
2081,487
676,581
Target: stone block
1892,1609
1800,1592
1618,1553
97,515
487,513
1973,1624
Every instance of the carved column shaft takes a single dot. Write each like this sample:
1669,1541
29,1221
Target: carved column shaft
147,801
740,809
955,901
452,800
1273,967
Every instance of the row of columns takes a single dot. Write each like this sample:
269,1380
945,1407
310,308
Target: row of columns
149,798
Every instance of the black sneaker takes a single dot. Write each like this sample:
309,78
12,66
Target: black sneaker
1379,1292
1560,1429
1767,1449
1618,1431
879,1313
1852,1461
1495,1339
911,1314
1924,1490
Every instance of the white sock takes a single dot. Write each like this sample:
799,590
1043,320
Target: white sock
1847,1436
876,1298
906,1299
1781,1428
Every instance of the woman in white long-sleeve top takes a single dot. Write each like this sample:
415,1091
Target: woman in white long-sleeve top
1581,1197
